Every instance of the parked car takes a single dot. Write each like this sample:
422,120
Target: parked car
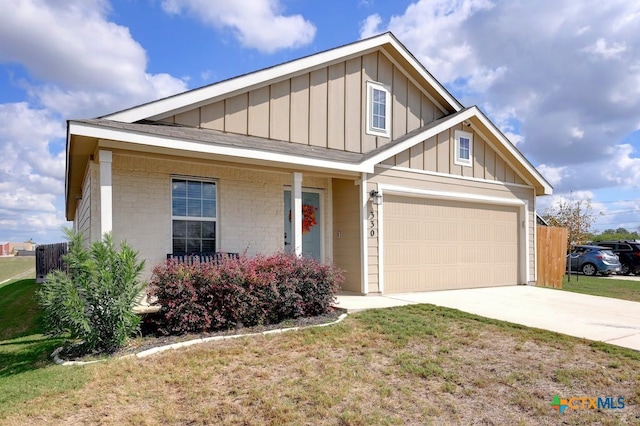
628,252
593,259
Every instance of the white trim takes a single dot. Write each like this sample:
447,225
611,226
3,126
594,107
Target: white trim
380,244
457,159
324,222
447,175
105,159
207,94
296,212
420,137
364,250
524,213
370,129
204,148
415,83
216,219
523,230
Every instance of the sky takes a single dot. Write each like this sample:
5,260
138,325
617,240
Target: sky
561,78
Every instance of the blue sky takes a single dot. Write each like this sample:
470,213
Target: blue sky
560,78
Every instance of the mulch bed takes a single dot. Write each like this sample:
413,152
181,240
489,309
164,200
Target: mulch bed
150,337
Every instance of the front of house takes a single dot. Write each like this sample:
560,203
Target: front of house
355,155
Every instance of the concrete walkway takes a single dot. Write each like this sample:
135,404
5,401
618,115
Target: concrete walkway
597,318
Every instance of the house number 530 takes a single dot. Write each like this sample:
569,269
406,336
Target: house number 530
372,223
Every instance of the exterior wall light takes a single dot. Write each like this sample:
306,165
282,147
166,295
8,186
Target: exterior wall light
376,197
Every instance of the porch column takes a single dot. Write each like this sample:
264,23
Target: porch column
296,212
105,158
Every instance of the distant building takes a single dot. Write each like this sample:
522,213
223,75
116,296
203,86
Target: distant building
10,249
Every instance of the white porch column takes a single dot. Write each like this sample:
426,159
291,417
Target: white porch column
105,158
296,212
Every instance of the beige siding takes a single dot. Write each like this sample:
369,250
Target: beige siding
437,154
300,109
325,107
318,108
335,114
248,200
236,114
279,110
346,232
83,212
259,112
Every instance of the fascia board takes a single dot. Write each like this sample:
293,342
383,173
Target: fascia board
196,96
199,147
425,74
396,149
547,188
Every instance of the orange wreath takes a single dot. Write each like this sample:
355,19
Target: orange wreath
308,217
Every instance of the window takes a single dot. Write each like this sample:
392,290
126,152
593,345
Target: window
464,148
193,215
378,109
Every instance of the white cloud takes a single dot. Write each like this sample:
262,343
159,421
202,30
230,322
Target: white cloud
79,64
92,66
257,24
370,26
604,50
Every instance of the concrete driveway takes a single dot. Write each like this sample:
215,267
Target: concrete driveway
597,318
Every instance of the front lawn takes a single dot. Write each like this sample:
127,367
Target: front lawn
17,265
603,286
416,364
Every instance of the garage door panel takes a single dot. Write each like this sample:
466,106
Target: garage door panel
440,244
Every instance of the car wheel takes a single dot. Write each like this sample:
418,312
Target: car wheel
626,269
589,269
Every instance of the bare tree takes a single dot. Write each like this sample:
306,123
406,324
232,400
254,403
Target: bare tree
575,215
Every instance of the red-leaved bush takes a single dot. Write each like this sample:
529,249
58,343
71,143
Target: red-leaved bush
245,291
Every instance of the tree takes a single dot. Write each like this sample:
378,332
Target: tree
575,215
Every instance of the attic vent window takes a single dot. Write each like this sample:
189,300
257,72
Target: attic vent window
378,109
464,148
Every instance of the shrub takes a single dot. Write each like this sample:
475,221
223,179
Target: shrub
245,291
93,302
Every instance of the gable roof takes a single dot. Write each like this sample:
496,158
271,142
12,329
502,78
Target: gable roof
181,102
138,128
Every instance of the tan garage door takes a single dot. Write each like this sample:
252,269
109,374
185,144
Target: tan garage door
436,245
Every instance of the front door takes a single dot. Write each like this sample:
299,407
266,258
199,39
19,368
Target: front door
311,224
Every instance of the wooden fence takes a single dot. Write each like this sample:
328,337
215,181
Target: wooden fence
49,258
551,255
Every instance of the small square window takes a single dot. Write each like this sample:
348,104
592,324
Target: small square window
378,109
464,148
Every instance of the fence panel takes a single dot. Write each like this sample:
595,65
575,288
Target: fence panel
49,258
551,255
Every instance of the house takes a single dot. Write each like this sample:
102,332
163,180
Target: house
389,176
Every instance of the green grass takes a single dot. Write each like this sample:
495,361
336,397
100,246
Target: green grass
12,266
603,286
20,315
26,370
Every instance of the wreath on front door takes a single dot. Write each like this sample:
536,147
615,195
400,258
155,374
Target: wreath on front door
308,217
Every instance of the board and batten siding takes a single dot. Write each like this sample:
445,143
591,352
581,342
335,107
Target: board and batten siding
346,232
325,107
437,154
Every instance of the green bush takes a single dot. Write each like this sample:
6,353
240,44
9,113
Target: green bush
93,302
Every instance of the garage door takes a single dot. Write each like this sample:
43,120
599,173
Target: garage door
434,244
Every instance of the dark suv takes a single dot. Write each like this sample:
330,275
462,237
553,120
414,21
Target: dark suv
628,252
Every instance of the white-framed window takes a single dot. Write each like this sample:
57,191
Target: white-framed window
464,148
193,215
378,109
